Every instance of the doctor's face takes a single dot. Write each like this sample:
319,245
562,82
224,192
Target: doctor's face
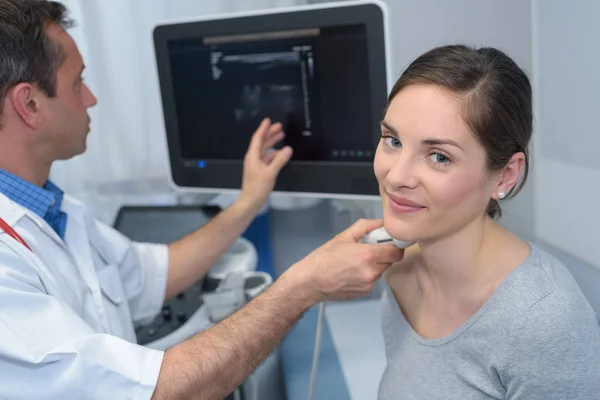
429,165
67,118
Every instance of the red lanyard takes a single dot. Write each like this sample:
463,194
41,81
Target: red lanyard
11,232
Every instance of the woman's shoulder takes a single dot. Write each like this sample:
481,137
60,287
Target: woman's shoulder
551,273
550,313
543,287
553,342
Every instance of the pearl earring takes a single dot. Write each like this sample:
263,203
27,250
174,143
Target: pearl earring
501,195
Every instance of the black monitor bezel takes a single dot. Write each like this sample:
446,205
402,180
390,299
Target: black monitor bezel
320,178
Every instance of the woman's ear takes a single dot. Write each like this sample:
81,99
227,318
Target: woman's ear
509,176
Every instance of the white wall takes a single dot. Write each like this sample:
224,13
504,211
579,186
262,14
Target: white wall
567,59
418,26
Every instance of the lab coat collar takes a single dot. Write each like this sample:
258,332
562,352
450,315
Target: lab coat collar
10,211
13,212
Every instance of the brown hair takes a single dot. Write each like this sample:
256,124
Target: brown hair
496,95
26,52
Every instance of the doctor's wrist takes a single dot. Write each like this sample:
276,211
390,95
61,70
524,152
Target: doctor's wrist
299,286
248,206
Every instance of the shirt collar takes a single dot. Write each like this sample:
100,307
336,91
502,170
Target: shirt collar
41,200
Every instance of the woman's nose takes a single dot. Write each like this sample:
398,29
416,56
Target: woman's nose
403,171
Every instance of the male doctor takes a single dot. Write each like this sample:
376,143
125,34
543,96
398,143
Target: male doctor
71,287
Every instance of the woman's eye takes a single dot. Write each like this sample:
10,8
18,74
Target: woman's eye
392,142
439,158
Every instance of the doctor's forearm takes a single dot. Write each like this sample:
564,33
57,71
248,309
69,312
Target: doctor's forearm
192,256
213,363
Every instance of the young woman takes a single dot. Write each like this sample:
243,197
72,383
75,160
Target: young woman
473,311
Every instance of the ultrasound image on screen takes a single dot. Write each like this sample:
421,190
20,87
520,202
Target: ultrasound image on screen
280,86
271,84
314,85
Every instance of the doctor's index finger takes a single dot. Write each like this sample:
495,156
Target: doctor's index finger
386,253
360,228
274,129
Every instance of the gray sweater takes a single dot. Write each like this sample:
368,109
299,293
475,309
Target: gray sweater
537,337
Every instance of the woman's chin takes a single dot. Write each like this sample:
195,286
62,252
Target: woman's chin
403,233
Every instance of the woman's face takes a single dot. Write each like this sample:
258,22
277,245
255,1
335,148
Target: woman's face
430,167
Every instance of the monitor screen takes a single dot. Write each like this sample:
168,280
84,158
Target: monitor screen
319,71
309,80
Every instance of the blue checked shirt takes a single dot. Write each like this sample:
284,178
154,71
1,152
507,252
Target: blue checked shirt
45,201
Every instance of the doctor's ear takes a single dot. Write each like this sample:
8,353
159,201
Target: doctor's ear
509,176
26,99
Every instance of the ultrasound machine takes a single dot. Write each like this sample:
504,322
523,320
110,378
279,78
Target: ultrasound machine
323,72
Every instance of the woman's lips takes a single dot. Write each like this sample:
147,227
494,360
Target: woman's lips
403,205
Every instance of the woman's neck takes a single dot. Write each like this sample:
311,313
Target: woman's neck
458,267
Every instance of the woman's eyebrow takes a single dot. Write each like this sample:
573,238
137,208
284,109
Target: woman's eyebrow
427,142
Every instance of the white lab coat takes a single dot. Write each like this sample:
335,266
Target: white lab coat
67,311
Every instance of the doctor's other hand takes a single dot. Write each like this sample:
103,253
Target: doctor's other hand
262,164
343,269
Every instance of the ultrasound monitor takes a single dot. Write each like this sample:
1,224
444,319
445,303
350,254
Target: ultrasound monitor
319,70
